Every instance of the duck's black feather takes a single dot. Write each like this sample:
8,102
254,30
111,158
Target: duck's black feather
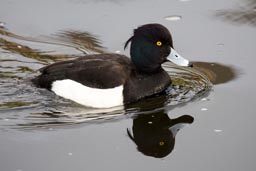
96,71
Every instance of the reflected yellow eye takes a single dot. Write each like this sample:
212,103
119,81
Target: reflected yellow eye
161,143
159,43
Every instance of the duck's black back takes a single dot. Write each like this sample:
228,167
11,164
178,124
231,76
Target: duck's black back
96,71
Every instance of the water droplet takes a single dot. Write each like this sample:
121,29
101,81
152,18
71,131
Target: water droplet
204,99
117,51
220,44
173,18
150,122
204,109
217,130
2,24
177,86
19,46
70,154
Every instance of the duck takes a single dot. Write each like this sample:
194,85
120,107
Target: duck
110,79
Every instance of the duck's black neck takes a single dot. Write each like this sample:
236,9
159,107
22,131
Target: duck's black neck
144,56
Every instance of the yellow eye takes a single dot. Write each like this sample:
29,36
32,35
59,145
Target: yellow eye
161,143
159,43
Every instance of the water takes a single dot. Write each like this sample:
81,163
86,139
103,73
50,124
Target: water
194,126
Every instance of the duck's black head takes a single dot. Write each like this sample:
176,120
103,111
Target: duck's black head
150,46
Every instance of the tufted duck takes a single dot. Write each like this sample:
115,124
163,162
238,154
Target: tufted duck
107,80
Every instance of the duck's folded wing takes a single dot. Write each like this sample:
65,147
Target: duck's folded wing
93,71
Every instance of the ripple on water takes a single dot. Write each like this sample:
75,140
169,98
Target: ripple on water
32,108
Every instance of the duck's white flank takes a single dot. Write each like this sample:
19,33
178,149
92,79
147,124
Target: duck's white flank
92,97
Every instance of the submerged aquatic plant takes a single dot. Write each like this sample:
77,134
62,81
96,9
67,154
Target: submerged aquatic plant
28,52
84,41
241,15
16,104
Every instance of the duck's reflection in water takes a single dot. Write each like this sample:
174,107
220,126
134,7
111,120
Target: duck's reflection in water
154,134
217,73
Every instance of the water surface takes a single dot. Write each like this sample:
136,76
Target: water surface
202,129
